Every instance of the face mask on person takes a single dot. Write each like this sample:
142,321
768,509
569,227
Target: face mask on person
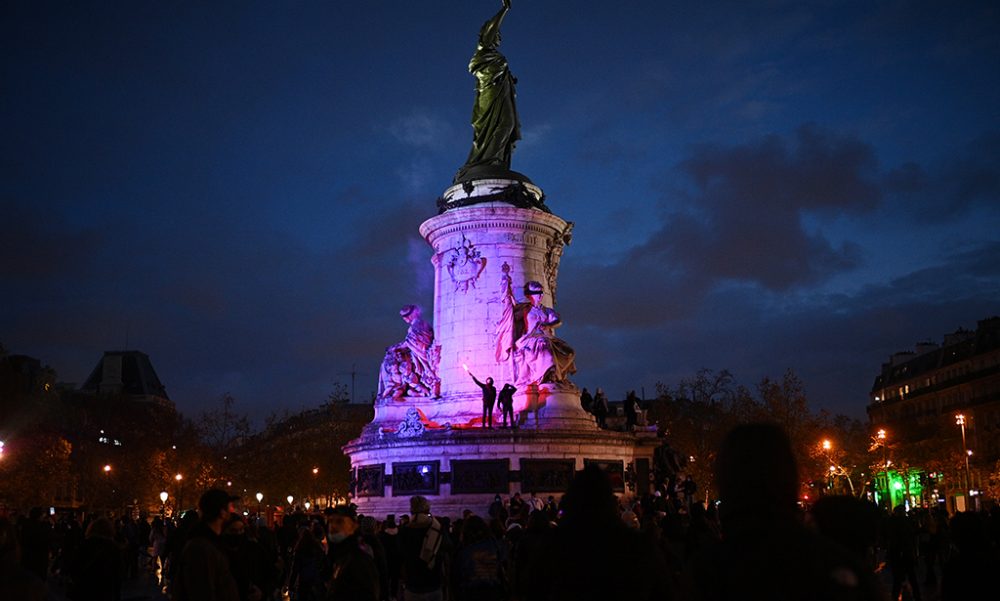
336,537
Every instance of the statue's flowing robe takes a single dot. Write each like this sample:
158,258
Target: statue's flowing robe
526,339
495,124
541,357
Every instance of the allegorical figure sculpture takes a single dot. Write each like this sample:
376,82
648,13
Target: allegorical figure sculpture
410,367
526,338
495,125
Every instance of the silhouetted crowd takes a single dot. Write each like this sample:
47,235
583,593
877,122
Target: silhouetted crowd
757,542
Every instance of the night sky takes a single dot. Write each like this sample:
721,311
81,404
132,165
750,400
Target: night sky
235,188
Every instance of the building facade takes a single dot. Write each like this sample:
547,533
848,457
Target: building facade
933,454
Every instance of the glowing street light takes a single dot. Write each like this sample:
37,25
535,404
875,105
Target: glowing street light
315,471
260,497
107,468
163,497
960,421
290,498
827,445
307,505
180,489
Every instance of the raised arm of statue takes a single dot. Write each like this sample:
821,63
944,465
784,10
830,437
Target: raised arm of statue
489,35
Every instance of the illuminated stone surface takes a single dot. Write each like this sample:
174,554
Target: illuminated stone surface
475,245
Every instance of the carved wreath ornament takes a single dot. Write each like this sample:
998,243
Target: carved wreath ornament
465,264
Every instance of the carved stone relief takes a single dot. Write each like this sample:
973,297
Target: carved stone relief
411,426
465,264
554,249
409,368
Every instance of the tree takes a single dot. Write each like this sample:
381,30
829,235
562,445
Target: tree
223,429
35,469
697,414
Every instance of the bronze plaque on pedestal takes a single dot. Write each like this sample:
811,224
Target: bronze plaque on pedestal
371,482
415,478
547,475
480,476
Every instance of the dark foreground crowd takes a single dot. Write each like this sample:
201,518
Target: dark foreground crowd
757,543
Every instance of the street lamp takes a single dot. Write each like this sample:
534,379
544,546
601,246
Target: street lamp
260,497
881,437
180,489
315,489
107,480
163,503
826,445
960,421
290,498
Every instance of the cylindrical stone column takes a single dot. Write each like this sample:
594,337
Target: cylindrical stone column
471,246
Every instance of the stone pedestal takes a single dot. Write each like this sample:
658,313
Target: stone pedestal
464,469
435,446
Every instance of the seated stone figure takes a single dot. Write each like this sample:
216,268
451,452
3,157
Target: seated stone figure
410,367
526,338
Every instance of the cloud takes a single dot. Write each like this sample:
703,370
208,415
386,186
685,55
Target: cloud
951,188
534,136
35,244
240,308
422,129
834,342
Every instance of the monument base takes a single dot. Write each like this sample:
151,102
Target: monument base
460,469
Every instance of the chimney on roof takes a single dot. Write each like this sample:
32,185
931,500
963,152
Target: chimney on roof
959,335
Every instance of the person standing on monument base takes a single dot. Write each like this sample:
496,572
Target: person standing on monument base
631,410
489,397
601,409
587,401
506,403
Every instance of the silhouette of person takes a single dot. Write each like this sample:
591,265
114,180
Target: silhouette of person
506,403
631,566
489,397
766,552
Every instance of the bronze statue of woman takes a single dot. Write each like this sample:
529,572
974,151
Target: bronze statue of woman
495,124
